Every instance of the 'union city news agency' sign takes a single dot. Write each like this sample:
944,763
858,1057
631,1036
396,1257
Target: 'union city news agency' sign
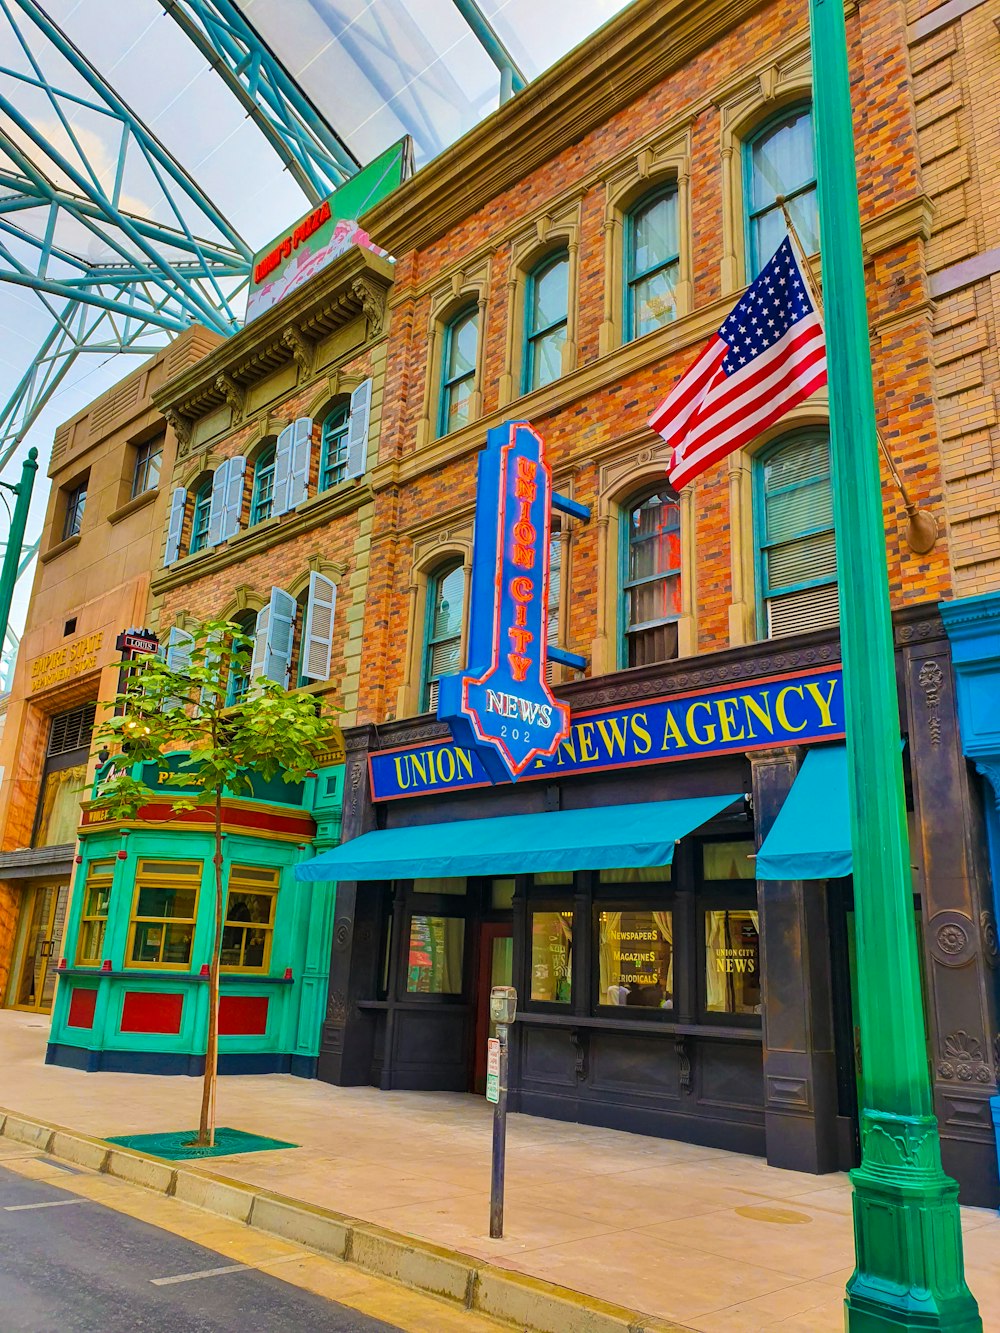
501,708
780,710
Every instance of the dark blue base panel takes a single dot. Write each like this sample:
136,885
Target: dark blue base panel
160,1062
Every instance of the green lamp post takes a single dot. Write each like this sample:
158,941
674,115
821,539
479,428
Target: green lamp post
908,1237
15,538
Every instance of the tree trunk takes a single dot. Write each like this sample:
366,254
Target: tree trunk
206,1126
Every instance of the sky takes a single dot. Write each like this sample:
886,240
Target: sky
374,68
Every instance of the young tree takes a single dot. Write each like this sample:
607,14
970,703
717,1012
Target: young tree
178,703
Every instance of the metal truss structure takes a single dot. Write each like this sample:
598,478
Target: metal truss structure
115,239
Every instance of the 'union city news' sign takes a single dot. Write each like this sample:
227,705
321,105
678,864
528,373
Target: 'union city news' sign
794,709
501,708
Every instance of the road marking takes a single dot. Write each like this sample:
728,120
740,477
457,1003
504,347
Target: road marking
52,1203
193,1277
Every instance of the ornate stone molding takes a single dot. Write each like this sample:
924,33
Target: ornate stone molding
931,679
181,426
372,297
301,349
232,393
963,1060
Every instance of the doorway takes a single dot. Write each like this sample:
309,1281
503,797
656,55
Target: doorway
495,967
43,912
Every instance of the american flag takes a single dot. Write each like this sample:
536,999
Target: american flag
768,356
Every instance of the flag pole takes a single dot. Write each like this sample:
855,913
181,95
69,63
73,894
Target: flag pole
922,529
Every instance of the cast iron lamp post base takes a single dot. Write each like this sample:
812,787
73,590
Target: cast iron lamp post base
908,1233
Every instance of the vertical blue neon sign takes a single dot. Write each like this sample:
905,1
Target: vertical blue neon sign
502,706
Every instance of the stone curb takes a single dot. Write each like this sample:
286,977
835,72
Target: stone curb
525,1302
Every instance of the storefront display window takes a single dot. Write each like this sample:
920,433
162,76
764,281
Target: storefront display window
249,926
636,958
165,907
553,878
94,917
728,860
437,947
440,885
551,956
732,961
635,875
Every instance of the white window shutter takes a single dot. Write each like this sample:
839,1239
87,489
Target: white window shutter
234,496
259,645
178,505
280,633
282,471
212,659
317,635
217,507
301,456
180,645
357,431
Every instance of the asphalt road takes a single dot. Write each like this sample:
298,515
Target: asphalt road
68,1265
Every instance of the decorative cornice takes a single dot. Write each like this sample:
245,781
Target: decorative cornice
181,426
326,302
232,393
373,303
300,348
323,509
633,52
896,225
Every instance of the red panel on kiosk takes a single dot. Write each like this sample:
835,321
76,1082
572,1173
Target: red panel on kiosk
150,1011
242,1015
82,1003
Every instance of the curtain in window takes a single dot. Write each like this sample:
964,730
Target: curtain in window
781,162
59,812
797,546
664,924
444,636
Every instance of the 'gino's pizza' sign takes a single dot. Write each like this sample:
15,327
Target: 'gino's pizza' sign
502,707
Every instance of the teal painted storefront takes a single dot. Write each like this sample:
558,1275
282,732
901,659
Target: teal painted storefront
115,1009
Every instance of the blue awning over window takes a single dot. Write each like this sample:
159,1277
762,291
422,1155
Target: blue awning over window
600,838
811,838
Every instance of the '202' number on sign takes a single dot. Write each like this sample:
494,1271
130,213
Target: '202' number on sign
514,733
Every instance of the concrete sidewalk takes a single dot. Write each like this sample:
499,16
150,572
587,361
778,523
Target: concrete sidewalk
710,1239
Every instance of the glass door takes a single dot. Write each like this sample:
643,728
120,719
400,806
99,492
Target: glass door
35,979
496,968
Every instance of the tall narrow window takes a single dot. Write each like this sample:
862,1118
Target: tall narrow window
796,554
249,927
263,487
778,160
333,450
458,378
202,513
652,579
546,313
443,643
164,911
239,680
94,916
146,474
76,499
652,263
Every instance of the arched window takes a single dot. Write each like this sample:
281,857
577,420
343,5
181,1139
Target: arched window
546,319
239,681
201,515
443,634
458,370
333,448
793,527
779,160
652,262
651,578
263,486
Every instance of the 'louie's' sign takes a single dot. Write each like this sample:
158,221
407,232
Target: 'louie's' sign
502,707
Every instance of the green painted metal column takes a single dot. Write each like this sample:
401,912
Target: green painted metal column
908,1238
15,538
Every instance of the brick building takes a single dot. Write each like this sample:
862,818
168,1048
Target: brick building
562,264
103,525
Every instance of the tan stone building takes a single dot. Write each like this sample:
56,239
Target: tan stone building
102,537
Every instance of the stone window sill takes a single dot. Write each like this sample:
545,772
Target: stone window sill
132,506
60,548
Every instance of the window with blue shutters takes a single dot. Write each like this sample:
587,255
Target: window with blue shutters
273,638
546,319
651,578
262,502
443,634
201,515
333,446
778,160
652,262
175,525
239,681
794,538
458,370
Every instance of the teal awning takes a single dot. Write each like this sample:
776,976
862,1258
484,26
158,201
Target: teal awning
602,837
811,838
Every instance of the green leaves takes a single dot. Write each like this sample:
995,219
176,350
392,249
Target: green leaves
163,710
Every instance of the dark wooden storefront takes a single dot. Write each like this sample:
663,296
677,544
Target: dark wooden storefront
778,1083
